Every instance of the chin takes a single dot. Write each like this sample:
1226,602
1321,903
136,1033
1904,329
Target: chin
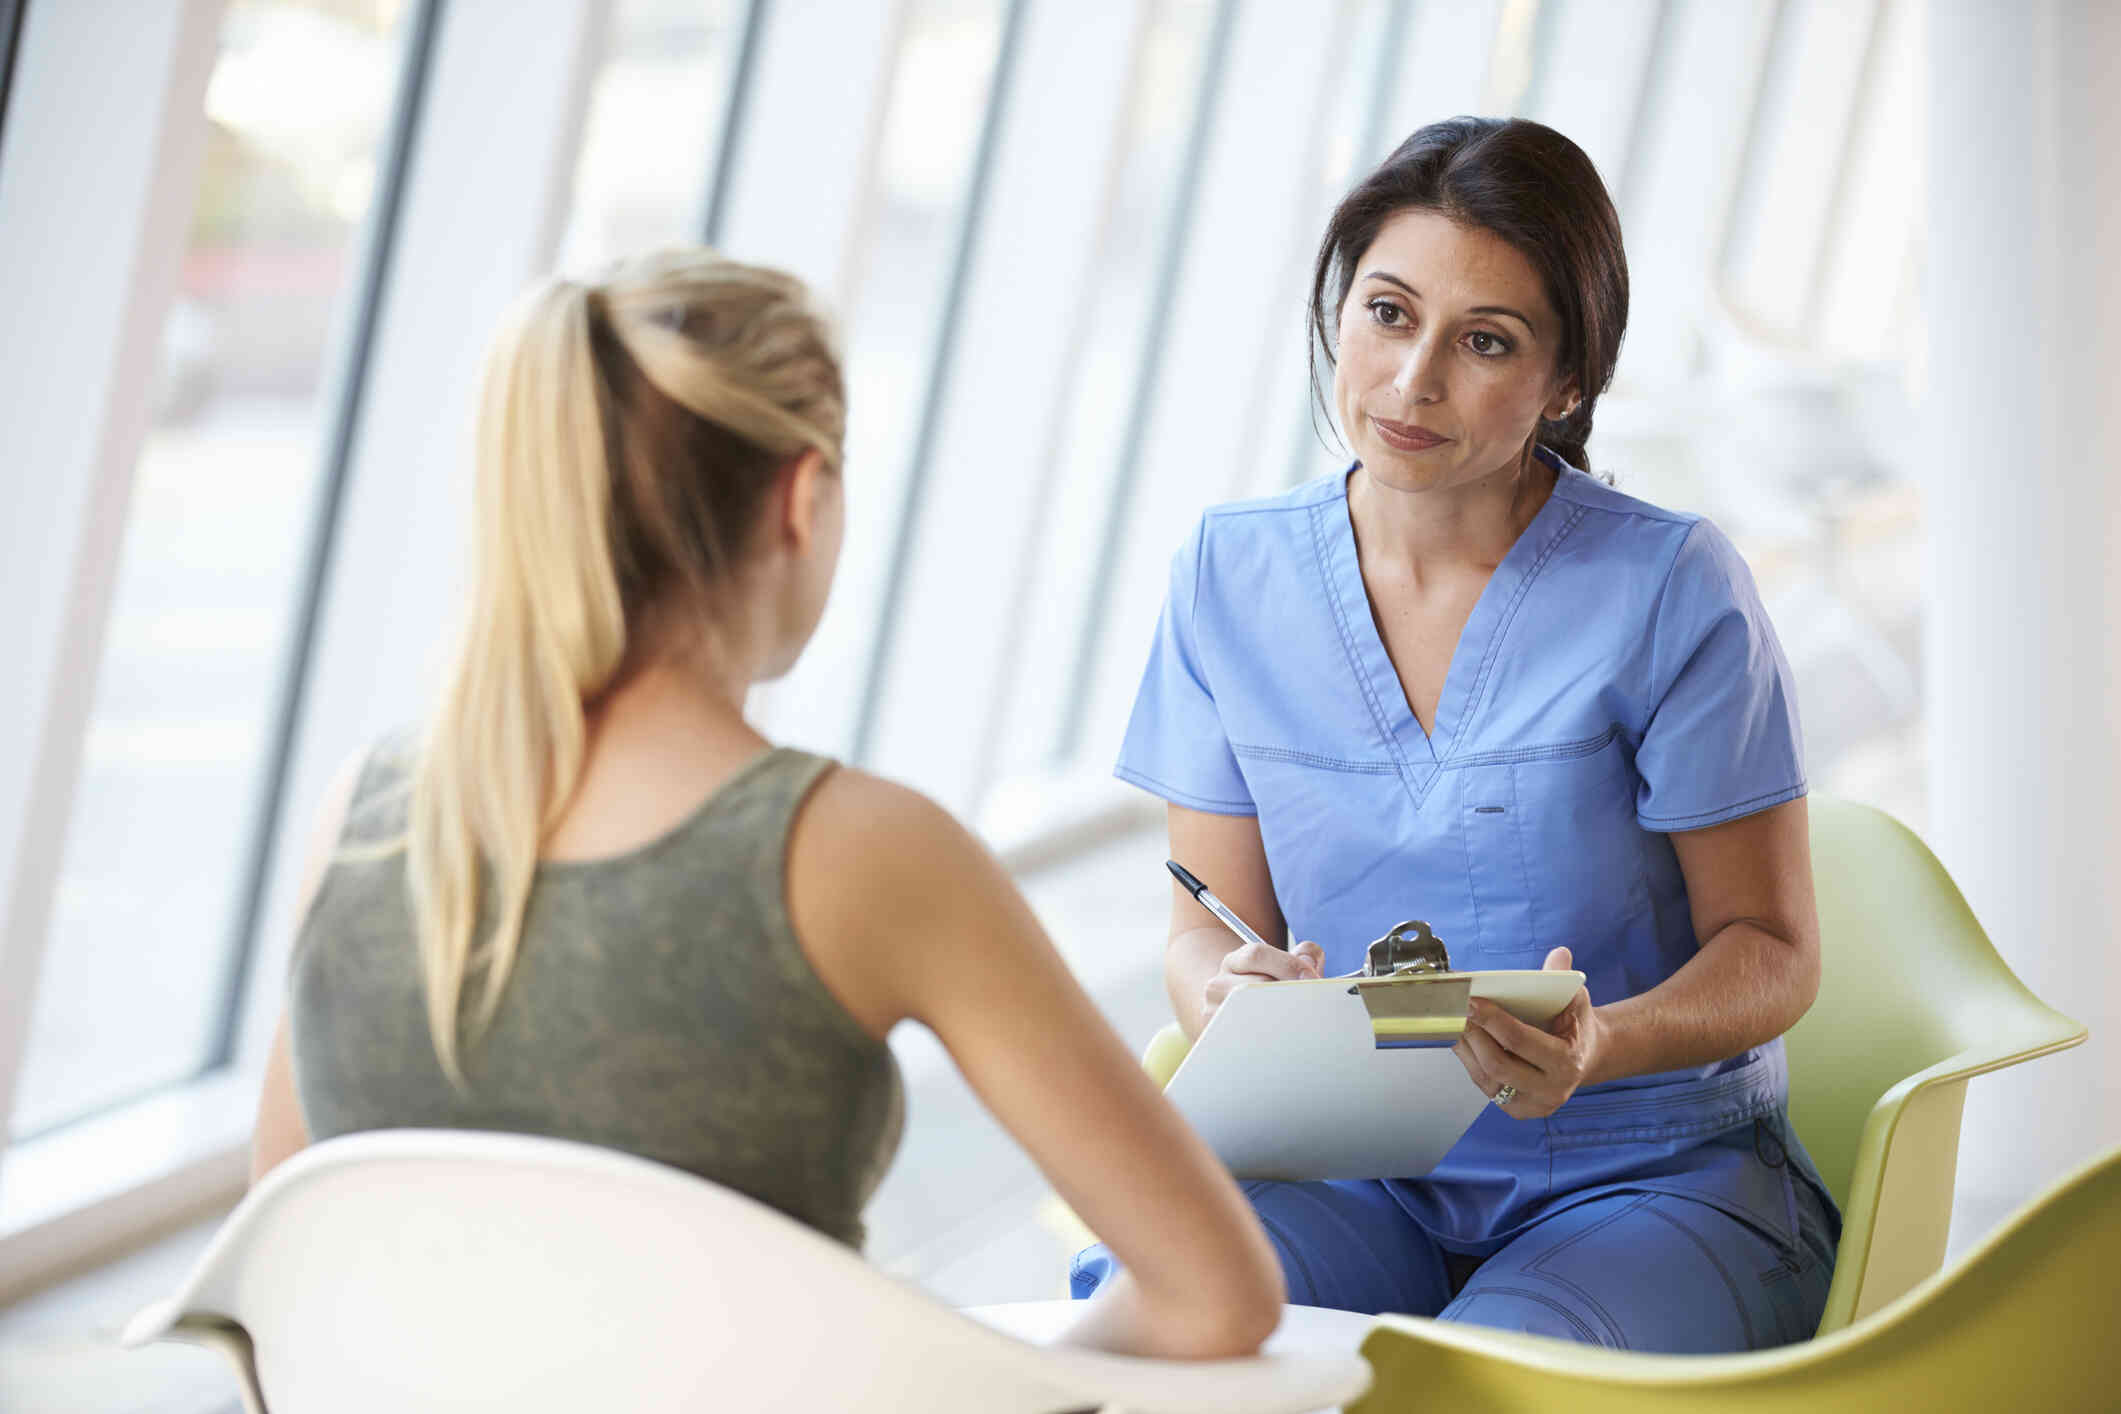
1407,471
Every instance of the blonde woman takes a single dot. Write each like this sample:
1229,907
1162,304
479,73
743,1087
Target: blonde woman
592,901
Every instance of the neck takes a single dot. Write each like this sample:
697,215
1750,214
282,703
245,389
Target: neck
1444,529
693,664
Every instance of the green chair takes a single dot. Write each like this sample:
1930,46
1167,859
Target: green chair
1914,1002
1878,1068
2026,1322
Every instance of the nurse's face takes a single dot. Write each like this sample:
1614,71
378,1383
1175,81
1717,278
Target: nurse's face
1447,356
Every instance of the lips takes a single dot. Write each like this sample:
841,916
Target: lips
1406,436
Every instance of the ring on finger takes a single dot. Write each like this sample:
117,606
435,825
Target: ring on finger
1506,1094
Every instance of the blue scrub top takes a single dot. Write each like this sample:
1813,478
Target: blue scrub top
1618,680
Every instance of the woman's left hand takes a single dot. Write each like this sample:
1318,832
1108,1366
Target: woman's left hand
1547,1065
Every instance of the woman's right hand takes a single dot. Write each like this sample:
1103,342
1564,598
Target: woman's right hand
1255,963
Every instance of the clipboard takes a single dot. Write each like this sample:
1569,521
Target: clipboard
1347,1077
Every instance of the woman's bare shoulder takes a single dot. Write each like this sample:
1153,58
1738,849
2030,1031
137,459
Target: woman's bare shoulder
881,881
869,822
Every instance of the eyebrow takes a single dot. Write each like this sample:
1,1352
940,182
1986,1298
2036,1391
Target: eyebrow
1502,309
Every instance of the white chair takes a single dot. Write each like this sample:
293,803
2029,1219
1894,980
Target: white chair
433,1269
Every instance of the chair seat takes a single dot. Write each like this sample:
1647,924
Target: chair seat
447,1270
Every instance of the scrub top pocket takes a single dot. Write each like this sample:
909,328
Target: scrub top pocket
1572,813
1499,870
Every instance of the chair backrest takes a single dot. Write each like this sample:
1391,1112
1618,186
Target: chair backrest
1909,980
430,1269
2026,1321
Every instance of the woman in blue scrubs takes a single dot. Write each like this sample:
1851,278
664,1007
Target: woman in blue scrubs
1468,682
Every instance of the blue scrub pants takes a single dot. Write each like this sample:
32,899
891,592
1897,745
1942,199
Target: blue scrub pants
1631,1270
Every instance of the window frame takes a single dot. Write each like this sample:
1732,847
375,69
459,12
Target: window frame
86,1191
91,326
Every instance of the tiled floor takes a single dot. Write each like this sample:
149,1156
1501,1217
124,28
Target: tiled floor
963,1212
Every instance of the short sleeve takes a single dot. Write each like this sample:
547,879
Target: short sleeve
1175,746
1722,739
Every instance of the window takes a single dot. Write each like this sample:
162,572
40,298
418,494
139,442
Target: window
136,986
655,112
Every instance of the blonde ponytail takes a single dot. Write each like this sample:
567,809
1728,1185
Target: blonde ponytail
628,430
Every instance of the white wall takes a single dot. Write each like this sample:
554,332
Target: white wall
2023,654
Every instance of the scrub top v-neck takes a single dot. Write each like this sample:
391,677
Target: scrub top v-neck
1616,681
1368,657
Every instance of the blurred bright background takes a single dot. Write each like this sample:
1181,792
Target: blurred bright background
1067,243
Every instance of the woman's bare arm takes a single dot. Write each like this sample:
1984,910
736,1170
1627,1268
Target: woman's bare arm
905,915
279,1130
1749,886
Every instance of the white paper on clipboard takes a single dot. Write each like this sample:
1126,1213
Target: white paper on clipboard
1288,1081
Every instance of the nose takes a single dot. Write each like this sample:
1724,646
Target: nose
1419,377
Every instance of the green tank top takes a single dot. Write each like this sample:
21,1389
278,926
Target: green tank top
659,1004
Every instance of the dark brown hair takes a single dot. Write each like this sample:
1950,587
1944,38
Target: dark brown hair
1537,191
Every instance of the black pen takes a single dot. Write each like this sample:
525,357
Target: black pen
1214,905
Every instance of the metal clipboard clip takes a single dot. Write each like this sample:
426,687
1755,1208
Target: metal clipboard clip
1409,947
1407,986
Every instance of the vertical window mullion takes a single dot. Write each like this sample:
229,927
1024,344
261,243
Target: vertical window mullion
346,399
1030,570
970,224
1207,103
735,107
1837,203
12,13
1771,55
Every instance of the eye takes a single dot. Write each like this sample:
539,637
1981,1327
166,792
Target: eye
1487,345
1387,313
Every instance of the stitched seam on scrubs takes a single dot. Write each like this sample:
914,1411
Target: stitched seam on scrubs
1306,758
1664,591
1745,1317
1347,648
1320,487
1589,492
1199,802
1714,1088
1465,838
1509,614
1720,1088
1590,1337
1524,865
1663,823
1538,1267
1184,797
1562,751
1690,1129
